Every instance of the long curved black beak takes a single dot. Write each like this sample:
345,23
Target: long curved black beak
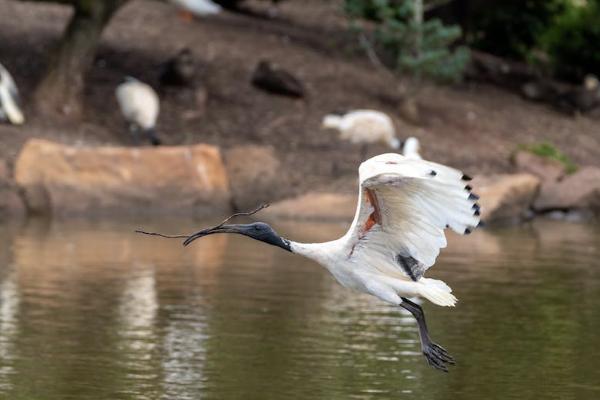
232,228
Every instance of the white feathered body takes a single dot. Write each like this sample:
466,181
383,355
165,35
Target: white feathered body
139,103
364,126
404,206
9,95
199,8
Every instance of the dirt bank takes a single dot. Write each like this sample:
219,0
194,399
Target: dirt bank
473,127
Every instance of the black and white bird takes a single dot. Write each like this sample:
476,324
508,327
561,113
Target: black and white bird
410,148
9,99
404,206
364,127
139,105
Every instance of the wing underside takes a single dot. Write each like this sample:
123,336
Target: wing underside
405,205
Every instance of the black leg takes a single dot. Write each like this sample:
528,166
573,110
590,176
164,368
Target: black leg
133,128
435,354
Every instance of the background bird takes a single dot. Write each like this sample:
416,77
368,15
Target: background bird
9,99
197,8
364,127
179,70
140,106
274,79
410,148
404,205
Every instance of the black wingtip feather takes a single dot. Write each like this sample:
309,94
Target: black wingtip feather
473,196
433,173
477,213
481,224
469,188
467,231
476,207
466,177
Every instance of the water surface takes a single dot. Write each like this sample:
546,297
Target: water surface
93,311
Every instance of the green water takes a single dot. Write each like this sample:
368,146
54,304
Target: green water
93,311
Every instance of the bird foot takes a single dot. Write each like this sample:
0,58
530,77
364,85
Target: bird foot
437,356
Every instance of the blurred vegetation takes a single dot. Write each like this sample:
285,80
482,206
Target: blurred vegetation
411,44
513,28
573,42
563,35
548,150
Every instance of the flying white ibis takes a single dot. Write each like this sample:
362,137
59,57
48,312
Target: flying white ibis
9,99
140,105
404,205
410,148
363,127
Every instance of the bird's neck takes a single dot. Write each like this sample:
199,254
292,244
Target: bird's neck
332,121
319,252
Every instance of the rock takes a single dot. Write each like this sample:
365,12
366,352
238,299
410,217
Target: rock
580,191
315,206
66,180
274,79
547,169
505,198
11,205
253,173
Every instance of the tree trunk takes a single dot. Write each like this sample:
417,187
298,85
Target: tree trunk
60,91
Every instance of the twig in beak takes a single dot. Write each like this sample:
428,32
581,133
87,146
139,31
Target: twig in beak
162,235
248,213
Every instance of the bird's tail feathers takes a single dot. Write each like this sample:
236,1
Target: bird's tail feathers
437,292
154,139
13,113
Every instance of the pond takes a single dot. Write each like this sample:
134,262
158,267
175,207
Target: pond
93,311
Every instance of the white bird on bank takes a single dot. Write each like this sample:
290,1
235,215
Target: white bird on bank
198,8
404,205
410,148
364,127
9,99
139,105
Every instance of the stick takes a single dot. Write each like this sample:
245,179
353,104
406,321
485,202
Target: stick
248,213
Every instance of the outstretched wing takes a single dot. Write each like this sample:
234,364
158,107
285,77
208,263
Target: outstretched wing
404,206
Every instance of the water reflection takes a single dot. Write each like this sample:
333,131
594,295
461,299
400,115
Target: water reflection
91,310
9,308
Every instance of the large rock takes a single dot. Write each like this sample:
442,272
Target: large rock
548,170
505,198
63,180
578,191
253,172
315,206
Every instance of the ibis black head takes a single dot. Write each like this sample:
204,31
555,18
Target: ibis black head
257,230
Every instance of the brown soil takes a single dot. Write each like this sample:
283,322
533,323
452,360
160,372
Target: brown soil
470,126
